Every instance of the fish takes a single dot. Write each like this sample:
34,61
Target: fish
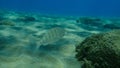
51,36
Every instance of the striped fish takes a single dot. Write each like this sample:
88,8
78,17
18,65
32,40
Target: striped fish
52,36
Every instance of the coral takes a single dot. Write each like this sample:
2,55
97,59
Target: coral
102,50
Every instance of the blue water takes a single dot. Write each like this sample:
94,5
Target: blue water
65,7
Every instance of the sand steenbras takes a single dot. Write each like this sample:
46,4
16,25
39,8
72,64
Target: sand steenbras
51,36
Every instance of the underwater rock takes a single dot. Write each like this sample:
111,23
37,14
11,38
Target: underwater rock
111,26
90,21
91,28
7,23
100,50
26,18
48,26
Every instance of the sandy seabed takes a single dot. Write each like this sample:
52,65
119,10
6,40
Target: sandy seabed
20,33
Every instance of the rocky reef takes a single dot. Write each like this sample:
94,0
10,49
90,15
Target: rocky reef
100,50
